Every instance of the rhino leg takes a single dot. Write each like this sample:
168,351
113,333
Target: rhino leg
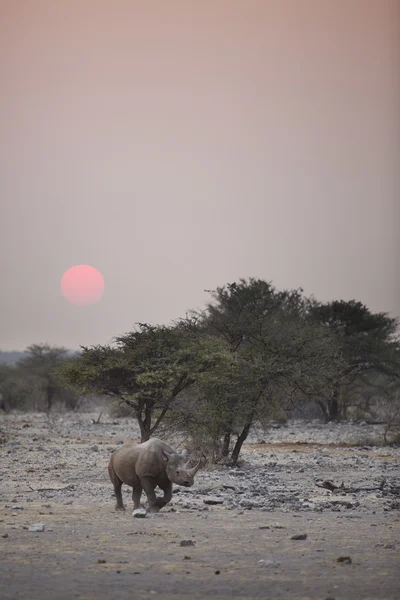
167,489
149,485
136,494
117,483
118,495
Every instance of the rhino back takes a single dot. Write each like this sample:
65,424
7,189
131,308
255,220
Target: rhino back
132,461
155,445
150,461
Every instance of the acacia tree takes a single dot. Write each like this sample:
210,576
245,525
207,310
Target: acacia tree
272,345
369,343
37,369
146,369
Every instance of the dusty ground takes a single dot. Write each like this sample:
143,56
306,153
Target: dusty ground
240,521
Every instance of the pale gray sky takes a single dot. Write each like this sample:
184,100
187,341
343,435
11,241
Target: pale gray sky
178,145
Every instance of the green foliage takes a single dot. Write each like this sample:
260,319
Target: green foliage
273,347
146,369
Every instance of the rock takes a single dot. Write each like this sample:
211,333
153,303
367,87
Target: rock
299,536
187,543
268,563
5,535
346,560
204,489
139,513
213,501
247,503
37,527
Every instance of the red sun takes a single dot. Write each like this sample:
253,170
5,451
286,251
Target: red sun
82,285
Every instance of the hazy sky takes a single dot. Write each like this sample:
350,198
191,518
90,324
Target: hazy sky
177,145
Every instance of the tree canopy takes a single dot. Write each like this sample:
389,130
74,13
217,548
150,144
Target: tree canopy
273,346
146,369
368,341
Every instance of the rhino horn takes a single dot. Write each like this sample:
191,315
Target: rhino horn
184,453
192,472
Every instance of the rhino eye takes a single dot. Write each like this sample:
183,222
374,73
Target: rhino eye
178,472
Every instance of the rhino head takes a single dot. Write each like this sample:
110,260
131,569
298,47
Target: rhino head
178,469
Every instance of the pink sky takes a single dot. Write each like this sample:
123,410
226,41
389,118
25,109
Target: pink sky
176,146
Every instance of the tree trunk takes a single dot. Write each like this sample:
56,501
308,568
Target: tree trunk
144,424
144,433
143,416
225,443
324,410
49,398
333,406
240,440
4,404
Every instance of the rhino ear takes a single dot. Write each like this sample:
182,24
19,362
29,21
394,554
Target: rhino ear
167,456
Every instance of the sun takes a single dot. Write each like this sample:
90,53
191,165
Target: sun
82,285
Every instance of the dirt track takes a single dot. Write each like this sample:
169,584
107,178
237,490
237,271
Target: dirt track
52,473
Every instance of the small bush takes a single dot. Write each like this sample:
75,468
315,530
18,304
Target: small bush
119,410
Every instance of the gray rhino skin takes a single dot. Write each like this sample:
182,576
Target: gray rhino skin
146,466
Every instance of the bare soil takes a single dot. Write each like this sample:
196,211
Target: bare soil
54,472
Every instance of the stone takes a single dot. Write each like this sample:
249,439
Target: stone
187,543
268,563
346,560
37,527
213,501
139,513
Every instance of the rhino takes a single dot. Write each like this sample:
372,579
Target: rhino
148,465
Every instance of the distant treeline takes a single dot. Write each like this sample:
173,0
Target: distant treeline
11,358
14,356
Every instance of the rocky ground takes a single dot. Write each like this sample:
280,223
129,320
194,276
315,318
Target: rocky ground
229,536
